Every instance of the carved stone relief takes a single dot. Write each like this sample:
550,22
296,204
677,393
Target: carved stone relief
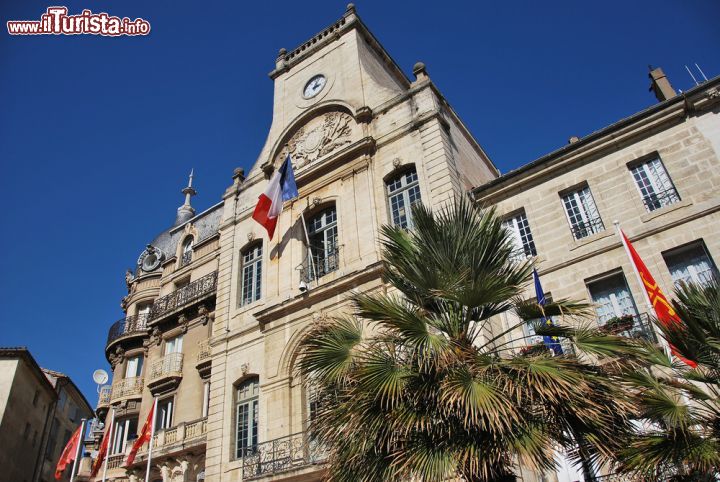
319,137
116,357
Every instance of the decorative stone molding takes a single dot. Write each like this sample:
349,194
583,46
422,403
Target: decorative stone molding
117,357
319,137
364,114
245,368
183,322
204,314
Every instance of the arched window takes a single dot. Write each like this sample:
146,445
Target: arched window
246,417
323,237
186,255
403,191
251,274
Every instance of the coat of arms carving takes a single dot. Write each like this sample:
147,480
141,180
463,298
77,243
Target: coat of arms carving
319,137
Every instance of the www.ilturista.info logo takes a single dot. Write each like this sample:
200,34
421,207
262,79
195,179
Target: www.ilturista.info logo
56,21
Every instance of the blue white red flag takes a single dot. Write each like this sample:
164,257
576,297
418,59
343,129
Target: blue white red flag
282,187
551,342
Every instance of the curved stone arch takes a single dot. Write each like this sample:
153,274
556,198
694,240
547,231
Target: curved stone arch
280,148
289,353
189,231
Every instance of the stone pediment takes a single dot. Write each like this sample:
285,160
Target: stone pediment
318,138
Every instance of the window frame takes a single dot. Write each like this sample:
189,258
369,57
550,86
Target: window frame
251,404
186,250
164,419
524,248
322,245
403,193
585,221
617,309
698,244
253,265
652,201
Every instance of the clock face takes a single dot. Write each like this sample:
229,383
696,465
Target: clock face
314,86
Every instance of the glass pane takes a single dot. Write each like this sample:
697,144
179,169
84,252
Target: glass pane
612,298
690,265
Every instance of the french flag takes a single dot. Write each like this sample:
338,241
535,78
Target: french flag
282,187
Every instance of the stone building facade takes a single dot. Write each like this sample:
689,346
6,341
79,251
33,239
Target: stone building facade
39,411
215,309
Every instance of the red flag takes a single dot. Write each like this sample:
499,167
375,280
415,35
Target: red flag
664,311
144,436
101,453
68,454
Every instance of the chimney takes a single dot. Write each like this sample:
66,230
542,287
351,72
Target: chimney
660,85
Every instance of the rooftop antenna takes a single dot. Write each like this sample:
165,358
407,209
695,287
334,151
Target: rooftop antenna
691,75
703,73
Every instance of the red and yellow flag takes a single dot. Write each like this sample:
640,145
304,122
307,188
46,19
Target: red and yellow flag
145,435
69,453
663,309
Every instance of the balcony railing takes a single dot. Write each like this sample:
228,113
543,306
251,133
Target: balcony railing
183,432
104,396
279,455
640,328
656,200
127,387
185,259
115,461
168,366
126,326
321,265
184,296
583,229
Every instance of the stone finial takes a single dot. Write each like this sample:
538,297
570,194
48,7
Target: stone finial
239,174
419,71
350,7
186,211
573,139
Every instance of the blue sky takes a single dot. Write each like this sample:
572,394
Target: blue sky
97,135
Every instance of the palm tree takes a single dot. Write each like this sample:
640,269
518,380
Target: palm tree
680,405
420,383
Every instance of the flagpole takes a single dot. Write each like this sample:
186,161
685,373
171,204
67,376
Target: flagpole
307,241
109,446
81,437
650,307
152,436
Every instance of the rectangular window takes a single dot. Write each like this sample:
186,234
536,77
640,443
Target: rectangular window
163,420
124,431
251,274
50,447
654,184
690,264
174,345
522,237
612,298
133,367
403,191
582,213
206,399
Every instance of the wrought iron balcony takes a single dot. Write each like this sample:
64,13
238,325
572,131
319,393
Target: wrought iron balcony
127,326
127,387
104,396
656,200
584,229
321,265
640,327
180,298
285,453
168,366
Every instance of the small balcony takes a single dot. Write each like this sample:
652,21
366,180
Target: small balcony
320,266
583,229
165,373
104,396
293,452
656,200
632,326
199,289
187,434
129,325
127,388
115,461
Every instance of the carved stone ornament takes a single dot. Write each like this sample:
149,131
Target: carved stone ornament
129,278
156,336
204,314
250,236
183,322
245,368
397,162
116,357
320,136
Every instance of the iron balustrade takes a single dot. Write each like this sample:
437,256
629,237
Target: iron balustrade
656,200
198,289
321,265
583,229
128,325
641,328
285,453
167,366
185,259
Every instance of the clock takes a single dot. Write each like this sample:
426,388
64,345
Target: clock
314,86
151,258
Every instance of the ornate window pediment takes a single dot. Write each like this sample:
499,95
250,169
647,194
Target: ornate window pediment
319,137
